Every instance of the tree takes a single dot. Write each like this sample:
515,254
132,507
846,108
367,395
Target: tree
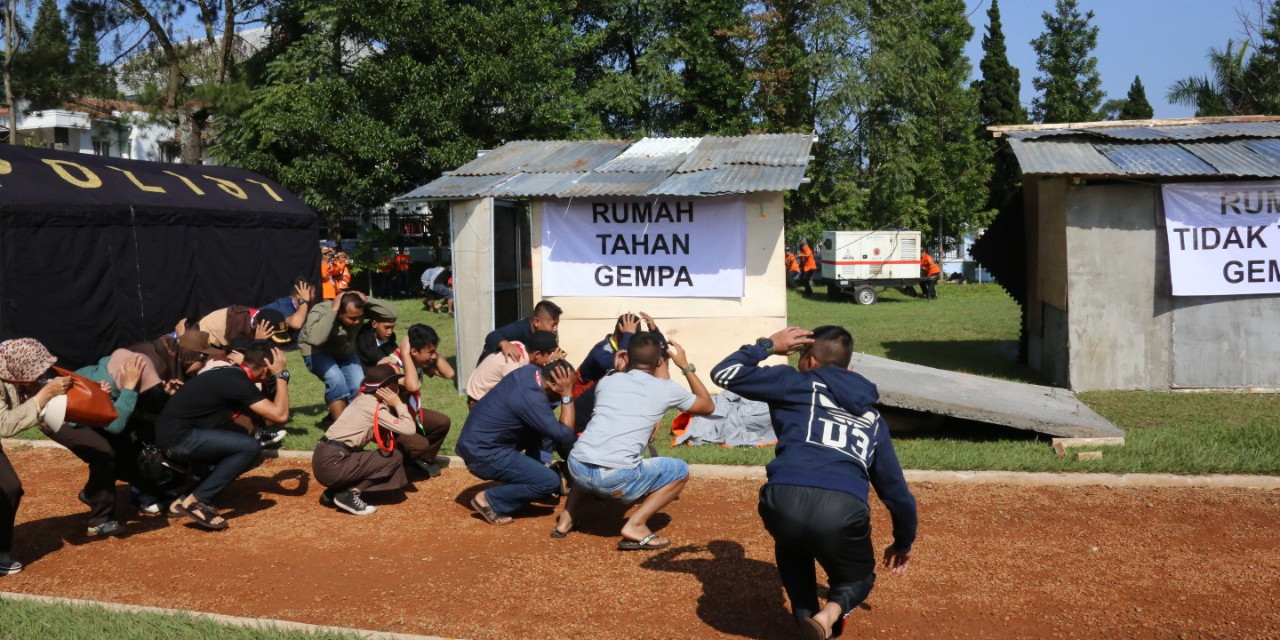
45,64
708,41
1136,106
349,125
89,76
1224,92
1262,73
12,29
926,169
999,104
1069,84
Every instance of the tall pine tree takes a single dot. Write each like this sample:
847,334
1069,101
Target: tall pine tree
1136,106
999,104
1069,84
45,65
926,168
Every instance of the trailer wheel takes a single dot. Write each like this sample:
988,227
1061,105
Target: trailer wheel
865,294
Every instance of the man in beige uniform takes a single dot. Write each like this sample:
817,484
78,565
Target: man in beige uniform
340,461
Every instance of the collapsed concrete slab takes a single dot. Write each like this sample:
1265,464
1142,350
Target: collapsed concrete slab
1048,410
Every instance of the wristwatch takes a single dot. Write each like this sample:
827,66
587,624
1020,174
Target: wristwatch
566,400
766,344
283,375
688,370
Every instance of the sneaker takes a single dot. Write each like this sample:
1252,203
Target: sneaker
108,528
10,567
145,503
351,502
269,437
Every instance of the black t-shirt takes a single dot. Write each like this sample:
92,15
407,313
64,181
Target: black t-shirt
205,402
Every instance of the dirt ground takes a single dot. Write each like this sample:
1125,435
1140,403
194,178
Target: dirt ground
991,562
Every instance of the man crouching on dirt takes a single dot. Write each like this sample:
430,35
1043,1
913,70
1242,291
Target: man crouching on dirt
188,427
832,444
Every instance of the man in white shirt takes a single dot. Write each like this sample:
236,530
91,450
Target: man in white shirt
608,458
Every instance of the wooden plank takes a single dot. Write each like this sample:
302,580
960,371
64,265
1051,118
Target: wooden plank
1060,445
1089,455
998,131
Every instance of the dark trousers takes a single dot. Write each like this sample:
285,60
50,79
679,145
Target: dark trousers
231,454
831,527
339,468
10,496
425,446
929,287
805,277
92,447
525,478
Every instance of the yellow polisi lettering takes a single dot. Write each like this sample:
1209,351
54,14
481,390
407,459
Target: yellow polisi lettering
86,180
187,181
266,187
138,183
229,186
5,168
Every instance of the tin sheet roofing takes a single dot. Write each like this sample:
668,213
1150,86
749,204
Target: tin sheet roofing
1194,149
652,166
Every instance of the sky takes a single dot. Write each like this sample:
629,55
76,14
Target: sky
1161,41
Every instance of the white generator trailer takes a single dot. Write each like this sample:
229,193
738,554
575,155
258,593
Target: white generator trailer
860,263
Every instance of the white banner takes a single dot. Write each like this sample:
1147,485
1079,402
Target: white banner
670,247
1223,238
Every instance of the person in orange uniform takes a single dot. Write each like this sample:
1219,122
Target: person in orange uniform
929,274
402,261
793,269
807,266
335,277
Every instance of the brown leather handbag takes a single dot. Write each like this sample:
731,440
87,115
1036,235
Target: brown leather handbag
87,403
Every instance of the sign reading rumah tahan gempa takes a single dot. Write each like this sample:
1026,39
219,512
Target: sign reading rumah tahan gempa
1224,238
666,246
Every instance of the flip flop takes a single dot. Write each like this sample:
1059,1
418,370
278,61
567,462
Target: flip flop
487,512
202,514
644,544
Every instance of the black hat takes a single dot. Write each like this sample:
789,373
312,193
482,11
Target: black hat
542,341
275,320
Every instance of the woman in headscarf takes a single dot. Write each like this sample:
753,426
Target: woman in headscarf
24,363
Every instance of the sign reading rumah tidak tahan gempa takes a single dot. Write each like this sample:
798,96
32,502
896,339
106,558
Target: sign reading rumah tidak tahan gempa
1224,238
644,247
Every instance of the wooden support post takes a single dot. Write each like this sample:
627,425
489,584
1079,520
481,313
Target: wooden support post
1060,445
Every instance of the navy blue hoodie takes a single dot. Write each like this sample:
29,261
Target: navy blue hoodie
830,435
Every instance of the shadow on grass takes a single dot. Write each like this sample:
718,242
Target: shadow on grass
723,568
992,358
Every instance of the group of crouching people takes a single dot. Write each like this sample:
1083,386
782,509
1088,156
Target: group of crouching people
203,402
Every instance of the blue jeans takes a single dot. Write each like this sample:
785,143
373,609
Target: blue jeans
525,480
628,485
341,376
230,452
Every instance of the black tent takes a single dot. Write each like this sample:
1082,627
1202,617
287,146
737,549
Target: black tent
98,253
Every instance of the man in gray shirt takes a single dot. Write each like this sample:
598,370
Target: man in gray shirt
608,457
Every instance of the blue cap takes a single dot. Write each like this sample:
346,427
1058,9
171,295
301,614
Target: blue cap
329,243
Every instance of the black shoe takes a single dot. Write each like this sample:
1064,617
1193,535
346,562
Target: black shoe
352,503
270,438
108,528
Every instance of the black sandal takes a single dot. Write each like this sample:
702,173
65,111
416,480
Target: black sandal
486,511
202,514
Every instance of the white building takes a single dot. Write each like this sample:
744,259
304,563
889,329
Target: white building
94,126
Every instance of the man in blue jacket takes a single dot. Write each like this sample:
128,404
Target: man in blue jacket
832,445
508,423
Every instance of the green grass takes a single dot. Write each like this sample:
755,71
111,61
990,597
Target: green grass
971,328
30,620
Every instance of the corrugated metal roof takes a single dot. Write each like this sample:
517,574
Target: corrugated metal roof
652,154
1156,159
1235,158
1205,149
651,166
739,178
1065,157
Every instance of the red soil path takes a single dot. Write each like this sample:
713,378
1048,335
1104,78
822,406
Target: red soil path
991,562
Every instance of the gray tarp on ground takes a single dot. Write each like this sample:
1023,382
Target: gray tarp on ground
736,422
